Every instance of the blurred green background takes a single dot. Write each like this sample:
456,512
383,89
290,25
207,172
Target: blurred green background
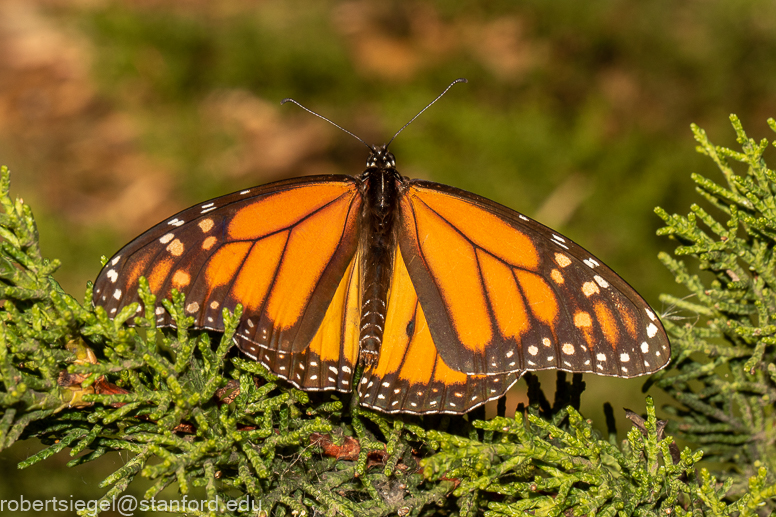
115,115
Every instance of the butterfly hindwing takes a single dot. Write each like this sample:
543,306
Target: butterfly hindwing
280,250
329,361
505,293
410,375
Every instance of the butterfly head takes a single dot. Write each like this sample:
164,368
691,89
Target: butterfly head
380,158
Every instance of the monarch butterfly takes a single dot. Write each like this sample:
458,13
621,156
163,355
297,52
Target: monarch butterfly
443,297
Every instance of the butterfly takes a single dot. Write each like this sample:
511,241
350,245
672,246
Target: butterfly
443,298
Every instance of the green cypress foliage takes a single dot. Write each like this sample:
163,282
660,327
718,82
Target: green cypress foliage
723,375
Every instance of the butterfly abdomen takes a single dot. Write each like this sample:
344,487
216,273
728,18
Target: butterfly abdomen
380,191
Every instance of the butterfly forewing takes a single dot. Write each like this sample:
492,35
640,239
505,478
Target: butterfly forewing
505,293
254,248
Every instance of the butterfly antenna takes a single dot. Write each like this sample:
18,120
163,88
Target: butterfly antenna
459,80
329,121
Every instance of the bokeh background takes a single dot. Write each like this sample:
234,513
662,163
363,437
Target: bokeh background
117,114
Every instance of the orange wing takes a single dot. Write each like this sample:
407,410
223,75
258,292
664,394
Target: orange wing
328,363
410,375
284,251
503,293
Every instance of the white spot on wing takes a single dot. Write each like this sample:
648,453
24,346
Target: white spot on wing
167,237
600,281
117,294
112,275
590,288
651,330
644,347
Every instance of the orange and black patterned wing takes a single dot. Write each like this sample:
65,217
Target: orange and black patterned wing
503,293
329,361
283,251
410,375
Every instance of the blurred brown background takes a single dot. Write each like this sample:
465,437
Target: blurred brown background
117,114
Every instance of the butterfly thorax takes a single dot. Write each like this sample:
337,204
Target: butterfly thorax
380,184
